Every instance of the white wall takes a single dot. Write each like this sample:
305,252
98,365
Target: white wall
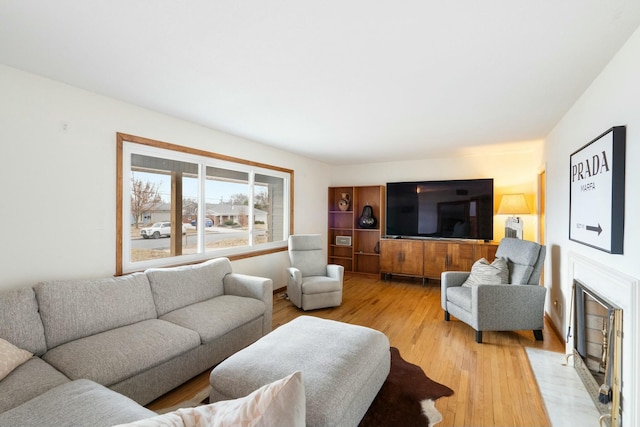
58,201
58,178
514,168
612,99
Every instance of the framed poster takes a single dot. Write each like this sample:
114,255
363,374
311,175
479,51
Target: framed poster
596,194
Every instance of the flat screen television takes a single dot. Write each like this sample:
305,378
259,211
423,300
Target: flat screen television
453,209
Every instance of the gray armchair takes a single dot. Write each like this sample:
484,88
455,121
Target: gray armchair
311,282
518,305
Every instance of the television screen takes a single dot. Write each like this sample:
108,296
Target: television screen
456,209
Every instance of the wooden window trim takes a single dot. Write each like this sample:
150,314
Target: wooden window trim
121,138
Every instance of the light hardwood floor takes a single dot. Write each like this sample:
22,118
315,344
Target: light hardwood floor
493,383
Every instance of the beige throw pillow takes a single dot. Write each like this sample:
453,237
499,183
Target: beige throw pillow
11,357
281,403
483,273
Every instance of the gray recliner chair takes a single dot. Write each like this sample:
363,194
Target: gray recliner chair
311,282
518,305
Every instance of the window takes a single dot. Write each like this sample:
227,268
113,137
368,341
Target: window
178,205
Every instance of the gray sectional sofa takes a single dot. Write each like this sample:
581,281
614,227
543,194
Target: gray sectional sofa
111,345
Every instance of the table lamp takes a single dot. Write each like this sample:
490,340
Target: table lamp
513,204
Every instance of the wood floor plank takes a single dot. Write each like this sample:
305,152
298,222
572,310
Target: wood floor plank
493,381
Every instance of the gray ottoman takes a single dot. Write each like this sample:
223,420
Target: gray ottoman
343,367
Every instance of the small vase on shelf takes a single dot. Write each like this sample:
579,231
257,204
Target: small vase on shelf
343,203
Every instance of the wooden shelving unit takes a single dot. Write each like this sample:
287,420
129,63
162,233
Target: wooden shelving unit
362,256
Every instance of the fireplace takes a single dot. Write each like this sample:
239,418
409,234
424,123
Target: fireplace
597,341
620,294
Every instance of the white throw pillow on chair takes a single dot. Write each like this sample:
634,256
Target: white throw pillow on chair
483,273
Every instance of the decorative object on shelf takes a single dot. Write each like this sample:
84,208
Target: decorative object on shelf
367,220
343,240
344,202
513,204
376,248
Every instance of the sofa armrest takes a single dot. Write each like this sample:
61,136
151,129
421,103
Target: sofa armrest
294,275
294,286
243,285
450,279
453,278
335,271
508,307
261,288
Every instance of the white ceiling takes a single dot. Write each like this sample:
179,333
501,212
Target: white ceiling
346,81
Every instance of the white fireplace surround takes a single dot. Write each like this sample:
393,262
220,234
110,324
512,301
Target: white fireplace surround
621,290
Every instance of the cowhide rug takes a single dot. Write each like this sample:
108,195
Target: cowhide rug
407,398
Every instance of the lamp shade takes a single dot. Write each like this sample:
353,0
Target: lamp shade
513,204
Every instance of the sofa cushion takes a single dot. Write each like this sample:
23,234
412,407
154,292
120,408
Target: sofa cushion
521,256
483,273
307,254
11,357
112,356
519,273
20,322
27,381
460,296
75,403
280,403
320,285
178,287
73,309
213,318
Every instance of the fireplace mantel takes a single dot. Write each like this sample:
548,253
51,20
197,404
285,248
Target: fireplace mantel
621,290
